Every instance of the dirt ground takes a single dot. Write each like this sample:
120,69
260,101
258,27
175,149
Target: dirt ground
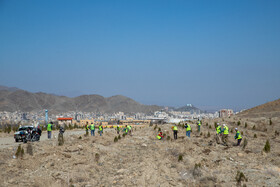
143,160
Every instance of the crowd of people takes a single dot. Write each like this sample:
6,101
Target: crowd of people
222,133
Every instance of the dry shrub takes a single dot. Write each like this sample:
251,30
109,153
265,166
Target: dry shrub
240,177
60,139
19,152
180,157
267,147
29,149
245,143
197,171
97,157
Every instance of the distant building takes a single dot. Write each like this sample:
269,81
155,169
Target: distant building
62,121
224,113
85,121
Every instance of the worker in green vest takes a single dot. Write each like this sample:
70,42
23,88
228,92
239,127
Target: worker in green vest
100,129
49,129
92,129
198,125
125,130
159,136
225,134
238,137
87,128
175,131
218,135
129,129
188,130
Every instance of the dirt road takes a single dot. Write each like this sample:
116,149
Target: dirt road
10,141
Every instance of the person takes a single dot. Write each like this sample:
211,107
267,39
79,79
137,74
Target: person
159,136
218,135
49,129
188,130
39,130
238,137
129,129
86,126
100,129
175,131
225,134
118,129
125,130
198,125
92,129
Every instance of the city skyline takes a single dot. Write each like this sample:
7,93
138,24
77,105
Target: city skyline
168,53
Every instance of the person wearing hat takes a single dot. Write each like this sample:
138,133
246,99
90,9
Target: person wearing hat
188,130
225,134
238,137
198,125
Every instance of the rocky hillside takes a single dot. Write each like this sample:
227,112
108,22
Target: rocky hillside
27,101
268,110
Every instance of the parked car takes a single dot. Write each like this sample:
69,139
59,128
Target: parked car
27,133
22,133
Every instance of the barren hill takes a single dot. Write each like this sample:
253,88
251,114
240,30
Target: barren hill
268,110
27,101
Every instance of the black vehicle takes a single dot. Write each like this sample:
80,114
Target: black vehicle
27,133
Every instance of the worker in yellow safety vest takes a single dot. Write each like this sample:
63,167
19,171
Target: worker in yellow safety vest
125,130
129,129
175,131
218,135
198,125
159,136
49,129
87,128
100,129
238,137
188,130
225,134
92,129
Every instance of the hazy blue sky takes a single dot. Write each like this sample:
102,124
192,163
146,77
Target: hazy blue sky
208,53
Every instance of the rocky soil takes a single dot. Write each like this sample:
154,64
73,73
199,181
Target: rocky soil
143,160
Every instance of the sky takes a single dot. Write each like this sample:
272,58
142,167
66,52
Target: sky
166,52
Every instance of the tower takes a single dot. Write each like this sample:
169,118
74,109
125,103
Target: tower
46,116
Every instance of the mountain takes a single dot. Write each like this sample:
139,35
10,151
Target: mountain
269,110
11,89
26,101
